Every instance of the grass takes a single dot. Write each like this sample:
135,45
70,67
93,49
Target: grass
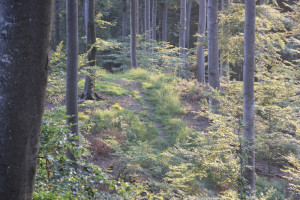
110,88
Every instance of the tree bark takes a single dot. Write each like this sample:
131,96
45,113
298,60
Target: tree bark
57,30
86,16
165,22
153,24
124,20
248,101
200,39
91,40
188,23
138,29
213,49
147,21
182,32
24,46
72,67
133,33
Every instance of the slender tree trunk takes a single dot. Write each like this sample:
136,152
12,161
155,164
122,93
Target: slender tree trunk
200,39
154,11
133,33
188,23
138,27
147,21
213,50
124,20
248,115
182,32
72,67
57,30
91,40
24,45
222,63
86,16
165,22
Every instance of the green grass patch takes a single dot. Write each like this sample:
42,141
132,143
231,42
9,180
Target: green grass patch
111,88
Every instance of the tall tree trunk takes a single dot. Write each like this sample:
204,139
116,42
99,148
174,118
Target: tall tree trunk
200,39
182,32
23,80
188,22
124,20
138,27
147,21
57,30
248,115
154,11
213,49
133,23
86,16
165,22
72,67
91,40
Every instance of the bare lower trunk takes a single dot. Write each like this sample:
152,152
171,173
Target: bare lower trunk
91,40
188,23
182,32
200,39
133,33
147,21
124,20
153,24
213,50
23,79
72,66
138,27
248,115
57,29
165,22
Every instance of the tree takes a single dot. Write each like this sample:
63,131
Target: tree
124,20
91,40
147,21
153,24
133,23
72,67
165,22
57,30
23,79
213,49
189,4
182,31
248,101
200,48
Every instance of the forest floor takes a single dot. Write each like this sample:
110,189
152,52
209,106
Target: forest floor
142,116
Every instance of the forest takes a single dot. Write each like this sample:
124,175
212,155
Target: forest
150,99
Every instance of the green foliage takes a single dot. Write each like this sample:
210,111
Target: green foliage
125,121
293,173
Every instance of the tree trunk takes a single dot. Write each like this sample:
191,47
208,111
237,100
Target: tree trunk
124,20
182,32
72,67
138,27
147,21
165,22
213,50
154,11
188,23
91,40
23,79
133,33
200,39
57,32
248,115
86,17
